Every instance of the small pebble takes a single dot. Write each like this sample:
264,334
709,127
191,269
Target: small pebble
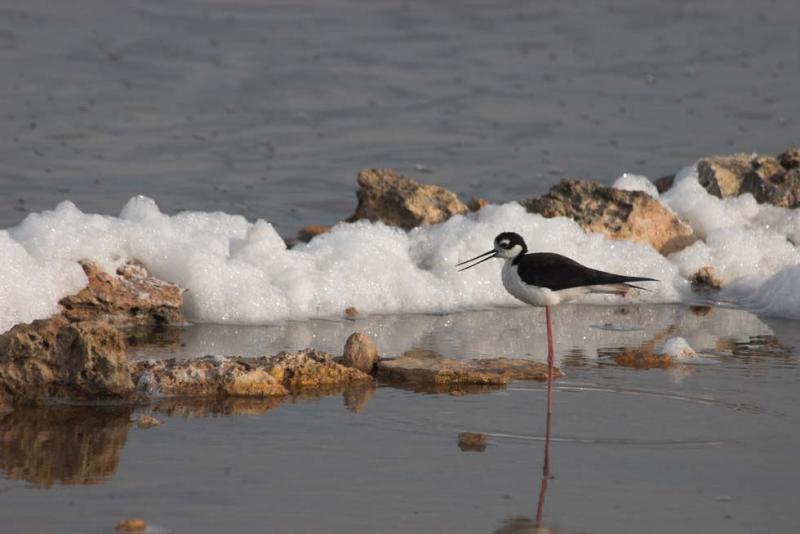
131,525
147,421
472,441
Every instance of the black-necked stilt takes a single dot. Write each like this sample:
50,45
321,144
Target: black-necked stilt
547,279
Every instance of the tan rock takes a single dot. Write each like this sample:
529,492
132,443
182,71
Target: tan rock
705,279
53,358
128,298
311,231
147,421
204,377
476,203
420,366
398,200
360,352
472,441
617,214
309,369
351,313
769,180
131,525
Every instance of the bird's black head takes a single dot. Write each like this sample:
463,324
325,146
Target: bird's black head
509,245
506,245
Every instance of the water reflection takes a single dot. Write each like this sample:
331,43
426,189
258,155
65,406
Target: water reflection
66,444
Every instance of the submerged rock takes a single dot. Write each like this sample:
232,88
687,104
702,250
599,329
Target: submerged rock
617,214
420,366
472,441
360,352
147,421
52,358
128,298
397,200
770,180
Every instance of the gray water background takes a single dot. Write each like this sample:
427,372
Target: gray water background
269,109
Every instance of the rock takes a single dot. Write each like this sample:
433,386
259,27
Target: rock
678,349
476,203
213,376
472,441
351,313
63,444
770,180
131,525
147,421
311,231
309,369
642,358
420,366
360,352
664,183
790,159
705,279
53,358
617,214
204,377
128,298
398,200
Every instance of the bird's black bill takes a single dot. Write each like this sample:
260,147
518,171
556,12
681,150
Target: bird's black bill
483,257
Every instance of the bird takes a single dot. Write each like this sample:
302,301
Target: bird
546,279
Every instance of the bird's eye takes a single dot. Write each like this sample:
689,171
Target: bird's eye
504,243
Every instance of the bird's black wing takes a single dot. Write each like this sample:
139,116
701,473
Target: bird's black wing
554,271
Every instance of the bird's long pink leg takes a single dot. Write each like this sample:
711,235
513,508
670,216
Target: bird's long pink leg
551,356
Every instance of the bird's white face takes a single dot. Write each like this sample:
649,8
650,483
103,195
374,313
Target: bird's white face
505,248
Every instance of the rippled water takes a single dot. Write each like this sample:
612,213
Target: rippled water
269,109
700,447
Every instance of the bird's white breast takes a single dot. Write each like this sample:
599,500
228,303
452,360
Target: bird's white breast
534,295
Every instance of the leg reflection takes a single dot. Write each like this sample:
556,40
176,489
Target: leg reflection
545,472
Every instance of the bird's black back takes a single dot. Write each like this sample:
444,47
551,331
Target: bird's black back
555,272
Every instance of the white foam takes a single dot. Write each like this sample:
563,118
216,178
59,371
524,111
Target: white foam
635,182
677,348
239,271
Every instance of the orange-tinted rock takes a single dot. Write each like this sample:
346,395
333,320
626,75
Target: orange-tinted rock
309,369
398,200
617,214
476,203
54,358
131,525
128,298
472,441
147,421
311,231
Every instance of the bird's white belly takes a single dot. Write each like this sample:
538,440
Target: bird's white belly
534,295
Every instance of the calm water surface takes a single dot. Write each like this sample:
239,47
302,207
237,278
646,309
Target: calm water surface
269,109
704,447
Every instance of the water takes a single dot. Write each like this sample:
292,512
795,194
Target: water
269,109
706,447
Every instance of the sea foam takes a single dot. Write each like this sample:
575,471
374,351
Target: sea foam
238,271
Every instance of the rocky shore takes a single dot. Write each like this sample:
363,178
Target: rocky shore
80,353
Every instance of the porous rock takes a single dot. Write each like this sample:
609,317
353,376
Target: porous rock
127,298
617,214
214,376
360,352
770,180
131,525
472,441
396,200
421,366
55,358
